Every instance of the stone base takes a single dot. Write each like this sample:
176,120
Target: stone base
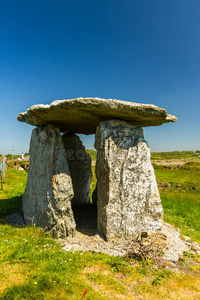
165,244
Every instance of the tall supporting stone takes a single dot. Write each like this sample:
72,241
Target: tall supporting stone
49,191
79,162
128,197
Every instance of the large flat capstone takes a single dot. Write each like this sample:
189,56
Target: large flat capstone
83,115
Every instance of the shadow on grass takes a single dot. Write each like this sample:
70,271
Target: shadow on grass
11,206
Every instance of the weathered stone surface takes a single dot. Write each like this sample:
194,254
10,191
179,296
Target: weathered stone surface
175,247
83,115
79,162
128,197
48,194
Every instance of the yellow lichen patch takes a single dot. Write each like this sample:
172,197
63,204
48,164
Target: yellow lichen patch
11,274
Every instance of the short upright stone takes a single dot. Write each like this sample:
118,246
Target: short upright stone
128,197
49,191
79,162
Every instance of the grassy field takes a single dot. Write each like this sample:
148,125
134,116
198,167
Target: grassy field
180,195
179,187
34,266
183,155
13,189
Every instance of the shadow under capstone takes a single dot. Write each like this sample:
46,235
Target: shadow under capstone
86,218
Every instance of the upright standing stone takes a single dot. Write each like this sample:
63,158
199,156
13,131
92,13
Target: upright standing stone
128,197
79,162
49,191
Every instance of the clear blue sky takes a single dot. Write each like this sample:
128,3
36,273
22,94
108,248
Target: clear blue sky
145,51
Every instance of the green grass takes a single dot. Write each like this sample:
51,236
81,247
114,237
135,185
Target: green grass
182,209
106,280
192,165
186,179
46,272
92,153
93,183
34,266
13,189
181,199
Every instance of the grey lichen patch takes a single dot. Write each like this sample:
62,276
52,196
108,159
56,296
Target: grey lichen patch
83,115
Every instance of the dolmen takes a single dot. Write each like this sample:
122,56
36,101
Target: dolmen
60,173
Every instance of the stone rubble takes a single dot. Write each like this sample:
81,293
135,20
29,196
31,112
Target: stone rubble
167,238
